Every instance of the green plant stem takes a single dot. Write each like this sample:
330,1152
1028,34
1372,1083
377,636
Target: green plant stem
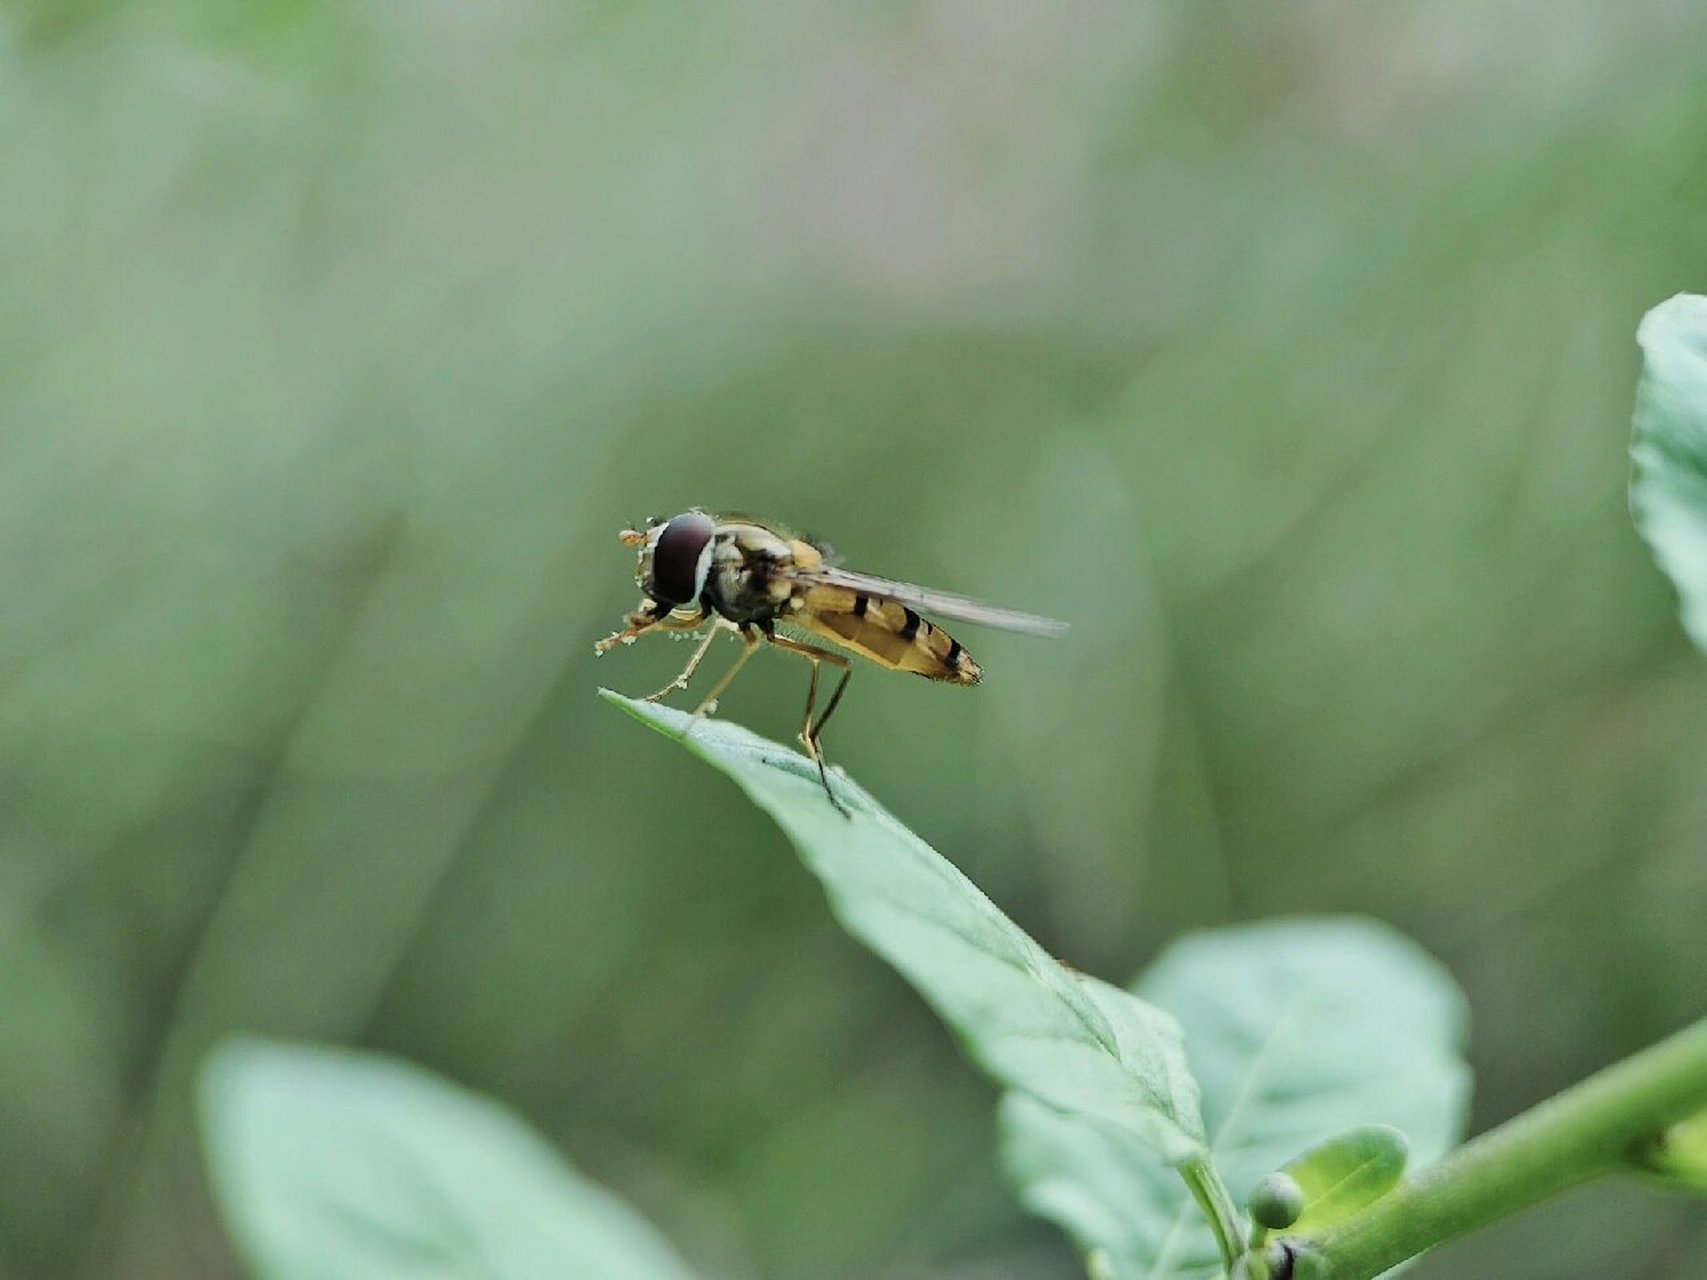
1216,1201
1589,1129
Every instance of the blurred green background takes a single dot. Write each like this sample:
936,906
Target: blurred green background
1286,349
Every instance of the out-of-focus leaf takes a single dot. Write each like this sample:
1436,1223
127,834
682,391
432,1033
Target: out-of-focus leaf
1349,1170
1303,1028
1073,1042
1681,1155
332,1165
1296,1030
1669,492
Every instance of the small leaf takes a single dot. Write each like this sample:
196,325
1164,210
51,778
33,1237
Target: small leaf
1297,1030
1668,494
1680,1156
1352,1169
333,1165
1074,1043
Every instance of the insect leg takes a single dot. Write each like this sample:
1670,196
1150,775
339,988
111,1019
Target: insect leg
751,640
809,732
835,699
811,701
643,619
681,681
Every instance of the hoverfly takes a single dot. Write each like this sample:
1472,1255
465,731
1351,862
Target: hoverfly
752,578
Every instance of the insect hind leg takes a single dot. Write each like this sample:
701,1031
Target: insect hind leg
835,699
810,731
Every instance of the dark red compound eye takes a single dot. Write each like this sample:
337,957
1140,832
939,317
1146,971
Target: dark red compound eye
681,557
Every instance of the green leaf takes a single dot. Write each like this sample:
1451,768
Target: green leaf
1117,1202
1297,1030
1074,1043
333,1165
1680,1157
1348,1171
1668,494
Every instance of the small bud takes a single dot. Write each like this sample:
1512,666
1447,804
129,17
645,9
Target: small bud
1277,1201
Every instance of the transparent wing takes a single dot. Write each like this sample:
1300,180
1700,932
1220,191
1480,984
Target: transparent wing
940,604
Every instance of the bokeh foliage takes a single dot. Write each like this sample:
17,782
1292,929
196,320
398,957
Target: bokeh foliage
1285,349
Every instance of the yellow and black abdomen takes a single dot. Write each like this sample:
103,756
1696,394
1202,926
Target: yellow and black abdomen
888,633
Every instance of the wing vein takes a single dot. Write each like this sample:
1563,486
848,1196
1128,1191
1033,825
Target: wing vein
941,604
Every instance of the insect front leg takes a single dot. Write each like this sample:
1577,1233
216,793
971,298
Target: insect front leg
811,731
650,614
650,617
